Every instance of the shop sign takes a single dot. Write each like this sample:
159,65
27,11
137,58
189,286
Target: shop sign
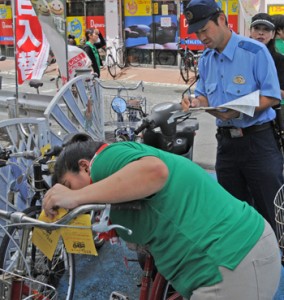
137,7
6,27
96,22
275,9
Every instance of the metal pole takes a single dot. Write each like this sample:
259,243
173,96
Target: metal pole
12,107
14,5
66,44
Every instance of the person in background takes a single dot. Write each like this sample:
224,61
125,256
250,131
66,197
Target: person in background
71,40
82,42
262,29
94,41
249,162
278,21
205,242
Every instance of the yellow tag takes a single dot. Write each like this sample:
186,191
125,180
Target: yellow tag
79,241
44,148
47,240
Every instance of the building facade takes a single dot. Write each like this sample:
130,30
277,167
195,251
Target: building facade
153,25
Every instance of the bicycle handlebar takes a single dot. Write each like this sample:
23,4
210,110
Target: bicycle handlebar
121,88
18,217
6,153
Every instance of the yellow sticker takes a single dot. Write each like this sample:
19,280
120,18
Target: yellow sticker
77,240
44,148
47,240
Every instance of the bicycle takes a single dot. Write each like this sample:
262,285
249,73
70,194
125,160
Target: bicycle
115,56
189,61
138,57
160,290
125,111
58,271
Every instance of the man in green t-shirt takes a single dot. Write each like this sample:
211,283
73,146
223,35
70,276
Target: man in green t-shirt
203,240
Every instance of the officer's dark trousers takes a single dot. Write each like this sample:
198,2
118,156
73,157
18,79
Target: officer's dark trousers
251,169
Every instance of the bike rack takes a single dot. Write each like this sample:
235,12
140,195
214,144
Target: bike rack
77,107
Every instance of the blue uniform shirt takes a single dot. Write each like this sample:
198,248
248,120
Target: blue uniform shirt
243,67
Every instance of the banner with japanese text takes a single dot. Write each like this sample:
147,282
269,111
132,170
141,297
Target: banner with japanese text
31,44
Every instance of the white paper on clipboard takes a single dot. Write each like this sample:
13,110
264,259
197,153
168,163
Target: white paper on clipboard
245,104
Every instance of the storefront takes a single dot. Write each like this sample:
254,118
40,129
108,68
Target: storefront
156,26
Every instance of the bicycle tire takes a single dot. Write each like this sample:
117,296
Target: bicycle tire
135,57
51,272
111,66
121,57
166,57
192,63
184,70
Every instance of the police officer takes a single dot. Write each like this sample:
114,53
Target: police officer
249,163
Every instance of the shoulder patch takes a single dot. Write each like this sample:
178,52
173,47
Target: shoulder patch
249,46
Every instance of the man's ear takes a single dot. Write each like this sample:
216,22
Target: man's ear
84,163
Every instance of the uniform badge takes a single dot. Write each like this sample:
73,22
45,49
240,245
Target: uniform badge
239,79
188,15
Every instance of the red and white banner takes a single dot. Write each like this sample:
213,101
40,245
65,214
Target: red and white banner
32,47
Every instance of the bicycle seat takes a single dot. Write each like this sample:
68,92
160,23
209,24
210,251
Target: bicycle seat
35,83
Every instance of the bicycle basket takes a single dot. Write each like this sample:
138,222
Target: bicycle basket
24,287
279,218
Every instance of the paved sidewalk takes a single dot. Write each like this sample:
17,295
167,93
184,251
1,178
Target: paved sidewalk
159,75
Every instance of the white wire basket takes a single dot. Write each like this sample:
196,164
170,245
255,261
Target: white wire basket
279,218
24,288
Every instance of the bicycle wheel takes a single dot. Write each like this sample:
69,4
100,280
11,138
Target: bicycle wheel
59,272
111,66
121,57
192,63
166,57
135,57
184,69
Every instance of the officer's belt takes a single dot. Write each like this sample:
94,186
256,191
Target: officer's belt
231,131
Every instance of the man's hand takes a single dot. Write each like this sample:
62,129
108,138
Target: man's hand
224,115
188,102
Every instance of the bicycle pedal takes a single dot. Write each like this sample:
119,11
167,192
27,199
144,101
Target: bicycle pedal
118,296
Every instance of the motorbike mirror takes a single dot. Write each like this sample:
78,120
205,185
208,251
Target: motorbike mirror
118,104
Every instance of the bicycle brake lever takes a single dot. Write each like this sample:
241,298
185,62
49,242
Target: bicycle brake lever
104,228
103,225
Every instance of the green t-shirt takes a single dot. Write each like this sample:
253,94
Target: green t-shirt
279,45
192,225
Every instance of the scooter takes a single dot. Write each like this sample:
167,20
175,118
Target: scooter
169,129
